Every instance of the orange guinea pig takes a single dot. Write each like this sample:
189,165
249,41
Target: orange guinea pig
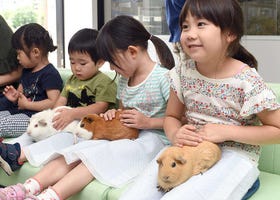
177,165
97,128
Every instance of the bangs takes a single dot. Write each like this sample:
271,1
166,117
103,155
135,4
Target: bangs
211,10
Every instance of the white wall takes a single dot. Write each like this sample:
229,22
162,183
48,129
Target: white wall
266,49
78,15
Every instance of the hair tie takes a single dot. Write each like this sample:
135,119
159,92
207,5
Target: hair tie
151,37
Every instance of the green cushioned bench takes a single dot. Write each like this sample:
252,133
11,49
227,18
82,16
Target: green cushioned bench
269,165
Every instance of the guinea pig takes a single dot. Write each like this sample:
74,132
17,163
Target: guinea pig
178,164
41,126
113,129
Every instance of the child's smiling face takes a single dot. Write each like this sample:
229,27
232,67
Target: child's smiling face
202,40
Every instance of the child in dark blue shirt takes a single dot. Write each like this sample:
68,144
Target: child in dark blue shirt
39,86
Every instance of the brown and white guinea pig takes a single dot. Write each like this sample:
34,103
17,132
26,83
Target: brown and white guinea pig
41,126
113,129
178,164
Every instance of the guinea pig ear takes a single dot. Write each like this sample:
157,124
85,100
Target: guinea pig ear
95,117
180,159
159,161
90,119
42,122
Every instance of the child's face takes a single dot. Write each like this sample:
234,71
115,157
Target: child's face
202,40
24,60
82,66
125,63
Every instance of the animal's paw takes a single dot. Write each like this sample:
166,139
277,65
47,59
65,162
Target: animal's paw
83,133
164,190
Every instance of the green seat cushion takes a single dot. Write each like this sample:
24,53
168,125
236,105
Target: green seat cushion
270,159
269,187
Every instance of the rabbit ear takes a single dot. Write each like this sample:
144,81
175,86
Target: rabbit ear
42,122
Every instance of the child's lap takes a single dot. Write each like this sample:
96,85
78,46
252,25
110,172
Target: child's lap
230,179
98,155
128,157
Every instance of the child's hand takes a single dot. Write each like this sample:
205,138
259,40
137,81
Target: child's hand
215,133
134,119
186,135
62,118
23,102
109,114
11,93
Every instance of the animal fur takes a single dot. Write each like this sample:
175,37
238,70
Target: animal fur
98,128
41,126
176,164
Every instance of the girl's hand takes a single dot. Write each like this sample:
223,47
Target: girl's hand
23,102
62,118
215,133
11,93
109,114
186,135
134,119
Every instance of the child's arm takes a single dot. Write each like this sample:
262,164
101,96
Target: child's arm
135,119
24,103
177,133
66,116
62,101
267,133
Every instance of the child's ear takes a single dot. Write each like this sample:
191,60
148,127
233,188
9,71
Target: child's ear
133,50
36,51
99,63
230,37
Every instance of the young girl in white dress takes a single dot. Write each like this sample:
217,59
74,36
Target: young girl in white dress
223,98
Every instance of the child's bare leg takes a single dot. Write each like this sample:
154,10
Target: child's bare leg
53,172
73,182
22,157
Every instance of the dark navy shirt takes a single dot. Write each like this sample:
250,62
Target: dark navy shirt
36,84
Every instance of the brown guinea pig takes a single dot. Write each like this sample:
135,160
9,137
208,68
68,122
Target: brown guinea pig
108,130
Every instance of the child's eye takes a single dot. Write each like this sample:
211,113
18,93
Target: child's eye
200,24
185,27
82,63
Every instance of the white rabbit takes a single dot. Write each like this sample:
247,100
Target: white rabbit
41,125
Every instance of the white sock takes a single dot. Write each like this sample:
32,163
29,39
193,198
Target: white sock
32,186
48,194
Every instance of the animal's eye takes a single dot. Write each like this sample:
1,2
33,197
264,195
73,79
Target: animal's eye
173,165
36,125
89,120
